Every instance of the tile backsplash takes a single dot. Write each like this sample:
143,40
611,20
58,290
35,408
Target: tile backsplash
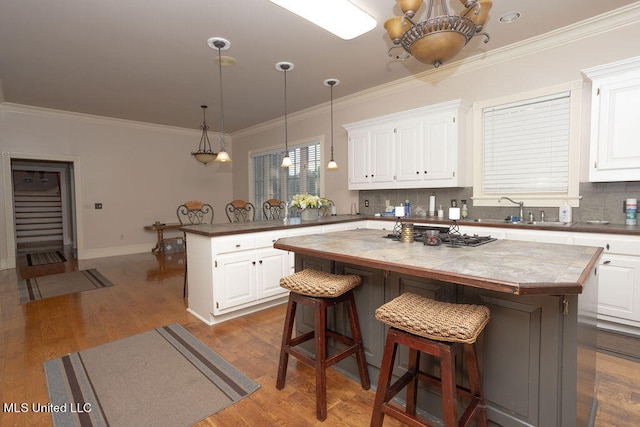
600,201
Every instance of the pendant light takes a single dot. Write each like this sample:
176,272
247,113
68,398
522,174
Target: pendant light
331,83
221,44
284,67
204,154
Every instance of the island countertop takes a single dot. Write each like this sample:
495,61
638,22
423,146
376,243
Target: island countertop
509,266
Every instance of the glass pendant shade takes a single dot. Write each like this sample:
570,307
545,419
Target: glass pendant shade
286,162
223,156
332,165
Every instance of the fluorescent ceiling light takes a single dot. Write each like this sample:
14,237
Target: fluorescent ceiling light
339,17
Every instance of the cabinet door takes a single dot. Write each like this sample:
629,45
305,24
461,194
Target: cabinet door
272,265
619,287
382,154
615,152
409,152
440,150
359,158
234,280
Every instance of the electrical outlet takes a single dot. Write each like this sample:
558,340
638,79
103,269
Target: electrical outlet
98,205
366,203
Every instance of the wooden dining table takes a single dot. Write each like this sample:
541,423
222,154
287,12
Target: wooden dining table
159,228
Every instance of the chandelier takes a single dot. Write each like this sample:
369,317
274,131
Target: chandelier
204,154
439,36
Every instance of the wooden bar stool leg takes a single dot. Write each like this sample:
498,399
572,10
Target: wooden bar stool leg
412,387
384,380
356,335
284,348
473,372
321,359
447,374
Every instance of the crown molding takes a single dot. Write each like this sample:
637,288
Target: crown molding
611,21
88,118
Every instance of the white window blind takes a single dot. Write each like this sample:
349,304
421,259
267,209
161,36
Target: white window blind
270,181
526,146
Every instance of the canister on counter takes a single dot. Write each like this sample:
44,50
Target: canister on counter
406,234
631,211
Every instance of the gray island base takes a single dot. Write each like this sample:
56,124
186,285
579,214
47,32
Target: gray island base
536,355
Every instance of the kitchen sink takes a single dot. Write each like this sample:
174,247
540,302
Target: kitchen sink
538,223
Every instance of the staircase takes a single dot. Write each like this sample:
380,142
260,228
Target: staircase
38,219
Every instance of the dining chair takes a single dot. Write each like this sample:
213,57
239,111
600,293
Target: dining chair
193,212
274,209
240,211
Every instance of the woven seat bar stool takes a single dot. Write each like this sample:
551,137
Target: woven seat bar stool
320,291
442,330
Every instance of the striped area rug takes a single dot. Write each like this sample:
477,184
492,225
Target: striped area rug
54,285
42,258
162,377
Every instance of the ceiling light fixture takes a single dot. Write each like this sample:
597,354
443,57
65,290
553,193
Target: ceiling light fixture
331,83
440,36
204,154
340,17
510,17
221,44
284,67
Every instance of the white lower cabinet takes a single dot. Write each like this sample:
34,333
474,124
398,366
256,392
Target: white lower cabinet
248,276
618,281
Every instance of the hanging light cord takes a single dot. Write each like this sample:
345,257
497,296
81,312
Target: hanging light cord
221,100
332,120
286,135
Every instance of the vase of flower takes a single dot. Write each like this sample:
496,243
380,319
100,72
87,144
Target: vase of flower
309,206
309,214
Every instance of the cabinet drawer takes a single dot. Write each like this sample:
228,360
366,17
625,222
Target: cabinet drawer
233,243
266,240
624,245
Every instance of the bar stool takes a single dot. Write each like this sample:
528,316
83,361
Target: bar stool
442,330
320,291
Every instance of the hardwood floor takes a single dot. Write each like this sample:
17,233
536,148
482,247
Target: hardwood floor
148,294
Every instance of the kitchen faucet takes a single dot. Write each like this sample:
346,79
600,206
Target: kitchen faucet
521,204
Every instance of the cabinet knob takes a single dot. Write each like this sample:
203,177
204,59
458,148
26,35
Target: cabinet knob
425,172
417,172
254,263
608,247
238,245
607,262
260,261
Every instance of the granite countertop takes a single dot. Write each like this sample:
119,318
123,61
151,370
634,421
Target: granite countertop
214,230
576,227
524,268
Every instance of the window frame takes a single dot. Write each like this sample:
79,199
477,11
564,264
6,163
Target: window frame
539,199
307,142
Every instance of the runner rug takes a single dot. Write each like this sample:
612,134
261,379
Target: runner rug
41,258
162,377
54,285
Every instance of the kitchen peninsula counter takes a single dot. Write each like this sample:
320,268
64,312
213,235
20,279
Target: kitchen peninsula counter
536,355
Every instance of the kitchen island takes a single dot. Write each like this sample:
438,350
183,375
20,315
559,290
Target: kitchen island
537,354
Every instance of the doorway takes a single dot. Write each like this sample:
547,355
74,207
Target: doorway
43,209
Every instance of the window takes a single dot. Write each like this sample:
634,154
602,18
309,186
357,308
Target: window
270,181
528,148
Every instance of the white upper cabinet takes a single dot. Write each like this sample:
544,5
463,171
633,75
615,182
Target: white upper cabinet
615,121
413,149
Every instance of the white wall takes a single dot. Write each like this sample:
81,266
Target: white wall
537,63
139,172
